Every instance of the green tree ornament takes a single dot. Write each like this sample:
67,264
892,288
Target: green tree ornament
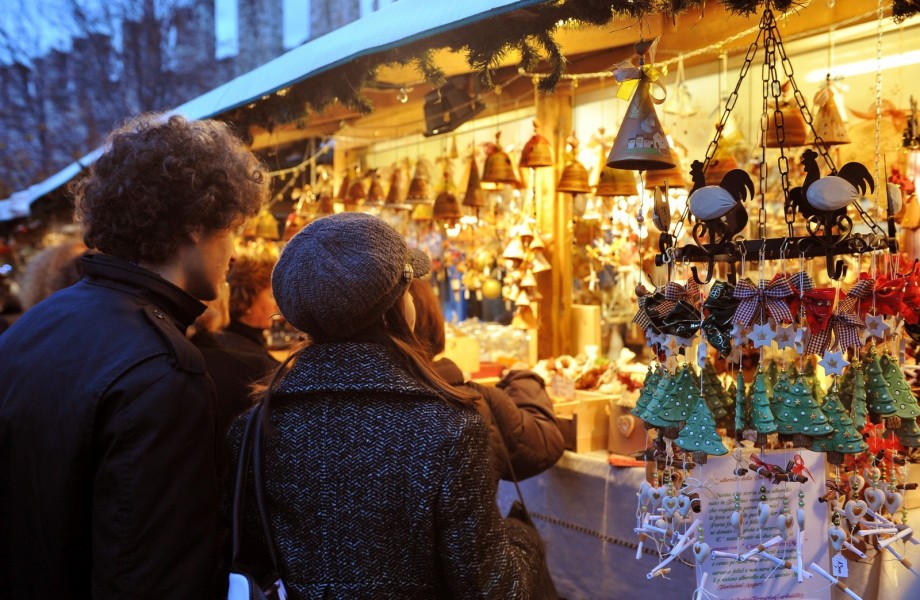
699,435
859,412
742,408
878,394
799,414
846,438
909,433
762,419
648,389
905,403
680,399
713,392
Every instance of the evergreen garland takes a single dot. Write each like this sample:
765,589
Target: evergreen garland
529,31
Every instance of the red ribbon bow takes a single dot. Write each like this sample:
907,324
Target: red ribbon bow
888,295
822,319
757,300
798,465
910,302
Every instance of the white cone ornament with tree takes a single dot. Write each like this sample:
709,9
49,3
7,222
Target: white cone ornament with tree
641,143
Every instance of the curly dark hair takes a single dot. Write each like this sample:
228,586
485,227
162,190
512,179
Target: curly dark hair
248,276
160,178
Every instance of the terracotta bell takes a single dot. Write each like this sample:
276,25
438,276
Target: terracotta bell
446,207
722,162
641,144
615,182
828,123
356,192
324,205
794,128
498,168
536,152
474,195
394,194
574,177
343,189
375,194
673,176
420,186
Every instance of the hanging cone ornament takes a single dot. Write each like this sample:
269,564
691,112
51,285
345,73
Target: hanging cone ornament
267,227
574,177
397,188
536,152
673,176
420,186
446,208
514,251
524,318
498,167
722,162
641,144
356,193
344,187
324,205
528,280
474,195
828,123
540,264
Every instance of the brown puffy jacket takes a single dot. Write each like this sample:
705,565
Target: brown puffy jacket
521,419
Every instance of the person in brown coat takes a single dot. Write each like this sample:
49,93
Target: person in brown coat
518,411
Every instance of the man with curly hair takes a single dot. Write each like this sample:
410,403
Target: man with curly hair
110,466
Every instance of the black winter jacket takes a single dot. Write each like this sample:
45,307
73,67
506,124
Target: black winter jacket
377,488
521,420
108,464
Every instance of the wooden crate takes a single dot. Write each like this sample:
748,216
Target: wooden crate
627,433
584,421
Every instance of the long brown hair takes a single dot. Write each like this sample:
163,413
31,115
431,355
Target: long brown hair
429,321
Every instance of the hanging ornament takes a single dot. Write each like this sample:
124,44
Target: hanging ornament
641,144
537,152
828,124
574,176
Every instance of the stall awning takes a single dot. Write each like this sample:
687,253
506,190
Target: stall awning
393,25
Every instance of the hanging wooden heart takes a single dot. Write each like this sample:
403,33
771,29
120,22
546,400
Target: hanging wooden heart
837,537
875,498
854,511
669,503
683,504
893,501
856,483
701,552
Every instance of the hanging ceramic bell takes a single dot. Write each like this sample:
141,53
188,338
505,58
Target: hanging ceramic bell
343,189
420,186
722,162
267,227
356,192
641,144
828,122
395,193
614,182
673,176
528,280
446,208
524,318
375,194
498,168
324,205
574,176
540,264
474,195
794,133
514,251
536,152
423,212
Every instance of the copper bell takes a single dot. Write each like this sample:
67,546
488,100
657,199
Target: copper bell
446,208
828,123
498,168
474,195
394,195
722,162
536,152
794,128
343,189
641,144
420,186
673,176
356,193
324,205
574,177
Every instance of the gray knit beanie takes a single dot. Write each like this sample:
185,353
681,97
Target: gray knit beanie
341,273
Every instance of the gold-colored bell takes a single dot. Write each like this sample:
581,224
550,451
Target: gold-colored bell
356,192
528,280
446,208
673,176
474,195
395,193
574,177
420,186
828,123
267,226
540,264
536,152
498,168
794,128
514,251
722,162
423,211
641,144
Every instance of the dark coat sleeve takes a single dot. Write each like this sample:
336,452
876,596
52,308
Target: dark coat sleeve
482,555
155,492
523,413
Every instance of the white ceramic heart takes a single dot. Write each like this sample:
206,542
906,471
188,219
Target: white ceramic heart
669,503
856,483
854,511
875,498
737,520
893,501
626,424
655,496
645,491
701,552
763,514
837,537
784,524
683,505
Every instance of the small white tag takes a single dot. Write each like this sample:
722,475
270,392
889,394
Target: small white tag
563,387
839,566
701,352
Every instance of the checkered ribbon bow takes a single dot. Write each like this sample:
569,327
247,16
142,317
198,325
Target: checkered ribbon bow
673,293
766,297
642,319
844,323
801,283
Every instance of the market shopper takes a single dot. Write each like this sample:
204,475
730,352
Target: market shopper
49,270
109,463
236,356
376,472
518,410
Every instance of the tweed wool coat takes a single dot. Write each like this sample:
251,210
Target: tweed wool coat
378,488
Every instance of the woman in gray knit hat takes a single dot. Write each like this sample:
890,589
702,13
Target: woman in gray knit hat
376,472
